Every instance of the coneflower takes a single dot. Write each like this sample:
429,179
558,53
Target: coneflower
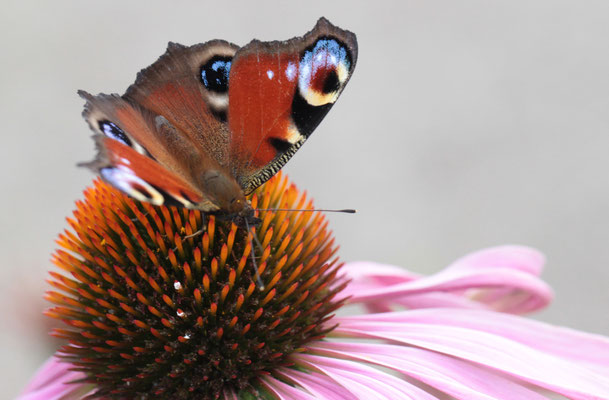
164,300
163,303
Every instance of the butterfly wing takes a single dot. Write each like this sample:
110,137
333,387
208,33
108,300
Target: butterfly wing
135,153
250,109
279,92
188,86
217,121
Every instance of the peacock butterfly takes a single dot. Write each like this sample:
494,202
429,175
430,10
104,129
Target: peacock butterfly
205,125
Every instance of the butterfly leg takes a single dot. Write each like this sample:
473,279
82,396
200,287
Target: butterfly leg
197,233
251,231
200,231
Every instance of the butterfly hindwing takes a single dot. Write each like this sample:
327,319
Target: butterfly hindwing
134,156
139,177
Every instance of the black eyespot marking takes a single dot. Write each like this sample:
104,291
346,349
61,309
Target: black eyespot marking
214,74
332,83
323,70
305,116
114,132
280,145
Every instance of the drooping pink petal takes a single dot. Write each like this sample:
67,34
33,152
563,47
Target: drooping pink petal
52,381
426,300
566,343
476,340
369,276
521,258
321,386
501,278
52,370
529,292
229,394
283,391
457,378
363,272
362,381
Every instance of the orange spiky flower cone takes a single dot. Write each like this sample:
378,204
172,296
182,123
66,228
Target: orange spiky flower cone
153,307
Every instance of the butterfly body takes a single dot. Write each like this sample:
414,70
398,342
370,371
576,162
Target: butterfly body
205,125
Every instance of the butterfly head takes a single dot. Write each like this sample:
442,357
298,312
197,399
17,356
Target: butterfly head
225,192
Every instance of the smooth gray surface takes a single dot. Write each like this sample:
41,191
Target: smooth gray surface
466,124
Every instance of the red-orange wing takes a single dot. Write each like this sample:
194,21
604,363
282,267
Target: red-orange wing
143,178
279,92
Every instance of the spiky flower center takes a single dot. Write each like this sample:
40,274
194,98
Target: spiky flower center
163,301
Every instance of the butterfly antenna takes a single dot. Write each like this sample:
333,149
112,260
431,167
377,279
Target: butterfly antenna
260,284
346,210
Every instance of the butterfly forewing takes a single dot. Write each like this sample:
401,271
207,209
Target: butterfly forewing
139,177
175,87
279,92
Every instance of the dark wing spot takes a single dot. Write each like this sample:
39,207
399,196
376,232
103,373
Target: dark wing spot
331,84
214,74
305,116
280,145
114,132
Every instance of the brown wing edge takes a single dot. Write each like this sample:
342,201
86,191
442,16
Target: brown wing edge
162,66
322,27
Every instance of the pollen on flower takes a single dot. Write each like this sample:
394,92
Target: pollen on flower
163,301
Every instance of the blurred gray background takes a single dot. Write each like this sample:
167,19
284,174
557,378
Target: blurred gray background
466,124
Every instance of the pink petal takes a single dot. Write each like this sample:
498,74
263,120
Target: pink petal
51,381
283,391
526,363
229,394
366,276
385,274
525,259
457,378
564,342
529,292
50,371
521,258
57,392
321,386
427,300
362,381
502,278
